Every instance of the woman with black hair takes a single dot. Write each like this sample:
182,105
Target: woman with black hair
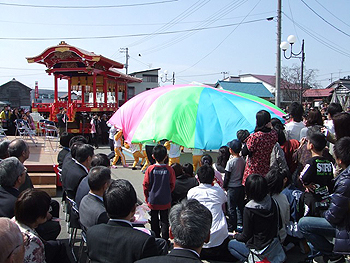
288,146
208,160
31,210
259,146
260,223
313,118
221,161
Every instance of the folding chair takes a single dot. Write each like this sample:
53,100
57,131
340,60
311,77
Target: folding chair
58,174
51,133
81,247
2,133
24,131
73,224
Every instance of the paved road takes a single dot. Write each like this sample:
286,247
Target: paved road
136,178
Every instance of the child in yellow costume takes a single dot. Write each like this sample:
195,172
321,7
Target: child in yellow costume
174,152
118,150
196,158
135,149
146,164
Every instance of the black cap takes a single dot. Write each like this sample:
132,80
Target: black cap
235,145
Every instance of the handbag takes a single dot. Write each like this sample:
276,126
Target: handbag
272,253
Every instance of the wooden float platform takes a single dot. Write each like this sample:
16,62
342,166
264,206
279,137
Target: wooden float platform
42,157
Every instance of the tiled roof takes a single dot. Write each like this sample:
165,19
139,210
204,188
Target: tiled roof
318,92
253,88
271,80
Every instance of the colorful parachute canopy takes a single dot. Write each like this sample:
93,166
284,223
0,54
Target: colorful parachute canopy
195,116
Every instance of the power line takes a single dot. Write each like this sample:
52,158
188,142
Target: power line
320,38
212,19
23,75
200,75
193,8
128,35
222,40
325,19
169,24
332,14
19,68
87,7
291,13
337,72
126,24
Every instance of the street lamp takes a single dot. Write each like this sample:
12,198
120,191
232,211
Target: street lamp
164,78
284,46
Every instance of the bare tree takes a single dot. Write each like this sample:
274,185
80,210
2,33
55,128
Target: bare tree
291,79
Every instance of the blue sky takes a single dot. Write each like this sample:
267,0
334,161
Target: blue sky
239,39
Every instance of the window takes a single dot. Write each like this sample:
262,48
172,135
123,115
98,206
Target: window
150,78
131,92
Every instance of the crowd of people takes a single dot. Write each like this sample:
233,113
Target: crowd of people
284,185
14,119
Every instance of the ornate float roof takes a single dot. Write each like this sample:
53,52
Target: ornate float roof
68,60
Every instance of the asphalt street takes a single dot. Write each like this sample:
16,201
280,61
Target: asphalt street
136,178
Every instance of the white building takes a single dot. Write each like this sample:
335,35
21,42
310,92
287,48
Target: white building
149,81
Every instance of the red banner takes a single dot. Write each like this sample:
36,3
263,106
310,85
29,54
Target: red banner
36,90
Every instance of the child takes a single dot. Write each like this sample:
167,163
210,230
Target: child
293,195
146,164
118,150
233,183
174,152
158,184
206,159
260,225
320,231
274,180
196,158
136,152
317,177
213,197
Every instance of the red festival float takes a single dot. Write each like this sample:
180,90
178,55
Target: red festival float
86,73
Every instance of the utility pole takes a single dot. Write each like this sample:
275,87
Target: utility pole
224,74
278,55
126,51
302,73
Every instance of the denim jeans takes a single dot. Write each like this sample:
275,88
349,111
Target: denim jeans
239,250
316,230
235,198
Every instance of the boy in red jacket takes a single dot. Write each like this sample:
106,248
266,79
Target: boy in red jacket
158,184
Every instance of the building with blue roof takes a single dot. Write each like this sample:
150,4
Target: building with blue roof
252,88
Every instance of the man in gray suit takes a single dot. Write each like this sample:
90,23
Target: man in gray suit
92,210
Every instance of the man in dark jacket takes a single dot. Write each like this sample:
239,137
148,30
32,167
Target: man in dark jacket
12,176
336,223
62,120
117,241
74,170
190,223
20,149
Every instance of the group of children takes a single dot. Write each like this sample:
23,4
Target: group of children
293,201
138,151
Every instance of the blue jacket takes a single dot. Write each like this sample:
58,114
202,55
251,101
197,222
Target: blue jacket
338,213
